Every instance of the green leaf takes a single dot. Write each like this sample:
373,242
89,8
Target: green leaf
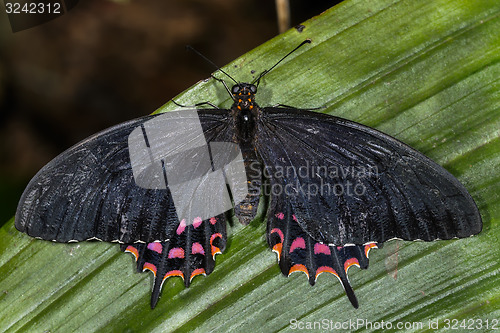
426,72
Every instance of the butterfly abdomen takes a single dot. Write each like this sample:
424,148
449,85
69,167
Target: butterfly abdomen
246,210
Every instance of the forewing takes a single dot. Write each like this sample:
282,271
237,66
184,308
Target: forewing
89,191
350,184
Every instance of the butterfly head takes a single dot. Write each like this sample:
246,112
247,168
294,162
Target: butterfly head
244,95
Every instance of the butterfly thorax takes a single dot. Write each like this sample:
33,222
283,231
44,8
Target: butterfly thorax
244,110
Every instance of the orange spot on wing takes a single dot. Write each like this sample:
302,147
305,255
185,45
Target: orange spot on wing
348,263
133,250
150,267
368,247
298,268
175,272
215,249
197,271
277,248
325,269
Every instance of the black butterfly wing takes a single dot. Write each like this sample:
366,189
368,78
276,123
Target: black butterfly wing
89,191
350,184
189,253
299,252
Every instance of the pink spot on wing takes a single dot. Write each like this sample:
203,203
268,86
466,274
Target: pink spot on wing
155,246
279,232
294,217
339,248
197,222
322,248
280,216
213,220
298,243
176,252
181,227
197,248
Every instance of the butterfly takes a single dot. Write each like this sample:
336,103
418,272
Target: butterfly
162,185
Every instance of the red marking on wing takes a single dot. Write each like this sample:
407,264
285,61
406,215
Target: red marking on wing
176,252
279,232
349,262
368,247
325,269
174,272
197,222
150,267
181,227
279,246
322,248
294,218
133,250
280,216
213,220
298,268
155,246
197,248
197,271
298,243
215,249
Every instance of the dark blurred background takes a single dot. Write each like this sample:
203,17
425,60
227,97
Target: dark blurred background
105,62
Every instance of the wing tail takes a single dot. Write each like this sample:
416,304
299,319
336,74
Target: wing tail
298,252
190,252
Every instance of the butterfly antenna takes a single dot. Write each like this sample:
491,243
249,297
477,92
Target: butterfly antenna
257,80
189,47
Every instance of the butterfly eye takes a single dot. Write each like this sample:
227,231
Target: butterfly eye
235,89
253,89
